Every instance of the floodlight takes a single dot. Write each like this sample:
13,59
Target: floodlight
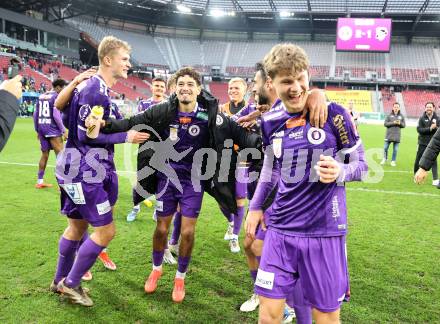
182,8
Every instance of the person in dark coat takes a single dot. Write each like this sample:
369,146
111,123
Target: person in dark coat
181,128
393,123
10,92
428,125
428,159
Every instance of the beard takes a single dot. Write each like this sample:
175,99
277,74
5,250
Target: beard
263,99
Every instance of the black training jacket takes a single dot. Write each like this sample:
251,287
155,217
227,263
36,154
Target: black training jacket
221,129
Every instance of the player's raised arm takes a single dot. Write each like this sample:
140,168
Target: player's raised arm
113,125
65,94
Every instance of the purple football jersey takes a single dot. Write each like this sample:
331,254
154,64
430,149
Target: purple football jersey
188,130
303,206
146,104
47,119
90,93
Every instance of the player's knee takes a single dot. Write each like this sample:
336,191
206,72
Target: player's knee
326,318
187,233
247,245
104,235
266,316
257,247
161,229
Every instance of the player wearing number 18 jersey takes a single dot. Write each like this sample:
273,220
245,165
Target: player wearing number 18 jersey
49,128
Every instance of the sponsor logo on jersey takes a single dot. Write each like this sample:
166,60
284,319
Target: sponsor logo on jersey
277,145
295,122
75,192
297,135
338,121
159,205
202,115
278,134
173,134
335,207
185,120
104,208
265,279
316,135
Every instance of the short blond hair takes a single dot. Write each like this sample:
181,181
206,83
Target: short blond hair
109,45
238,80
286,58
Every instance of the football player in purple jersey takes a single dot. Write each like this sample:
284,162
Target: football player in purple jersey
49,128
86,172
304,248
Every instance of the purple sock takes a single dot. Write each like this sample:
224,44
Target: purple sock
86,257
303,314
40,174
66,257
258,257
176,229
83,239
253,274
182,263
238,220
227,214
157,258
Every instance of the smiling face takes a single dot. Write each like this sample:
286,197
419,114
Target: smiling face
429,108
119,62
158,89
187,90
292,90
236,92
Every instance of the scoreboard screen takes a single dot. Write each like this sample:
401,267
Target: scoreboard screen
363,34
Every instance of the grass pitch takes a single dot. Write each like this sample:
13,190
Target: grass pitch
393,250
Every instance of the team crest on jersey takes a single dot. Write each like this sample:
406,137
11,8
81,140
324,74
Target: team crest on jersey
194,130
316,135
277,145
84,112
219,120
173,134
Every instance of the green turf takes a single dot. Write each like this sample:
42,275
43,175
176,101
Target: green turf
393,251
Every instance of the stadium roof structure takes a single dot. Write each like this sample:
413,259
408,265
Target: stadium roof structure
410,17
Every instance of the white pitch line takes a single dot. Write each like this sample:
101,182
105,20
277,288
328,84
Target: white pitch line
405,193
53,166
26,164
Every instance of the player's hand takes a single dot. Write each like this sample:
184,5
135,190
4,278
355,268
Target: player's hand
13,86
248,125
433,126
136,137
420,176
254,218
316,105
327,169
84,75
262,108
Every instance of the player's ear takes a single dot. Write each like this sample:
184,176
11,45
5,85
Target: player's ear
107,60
199,89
